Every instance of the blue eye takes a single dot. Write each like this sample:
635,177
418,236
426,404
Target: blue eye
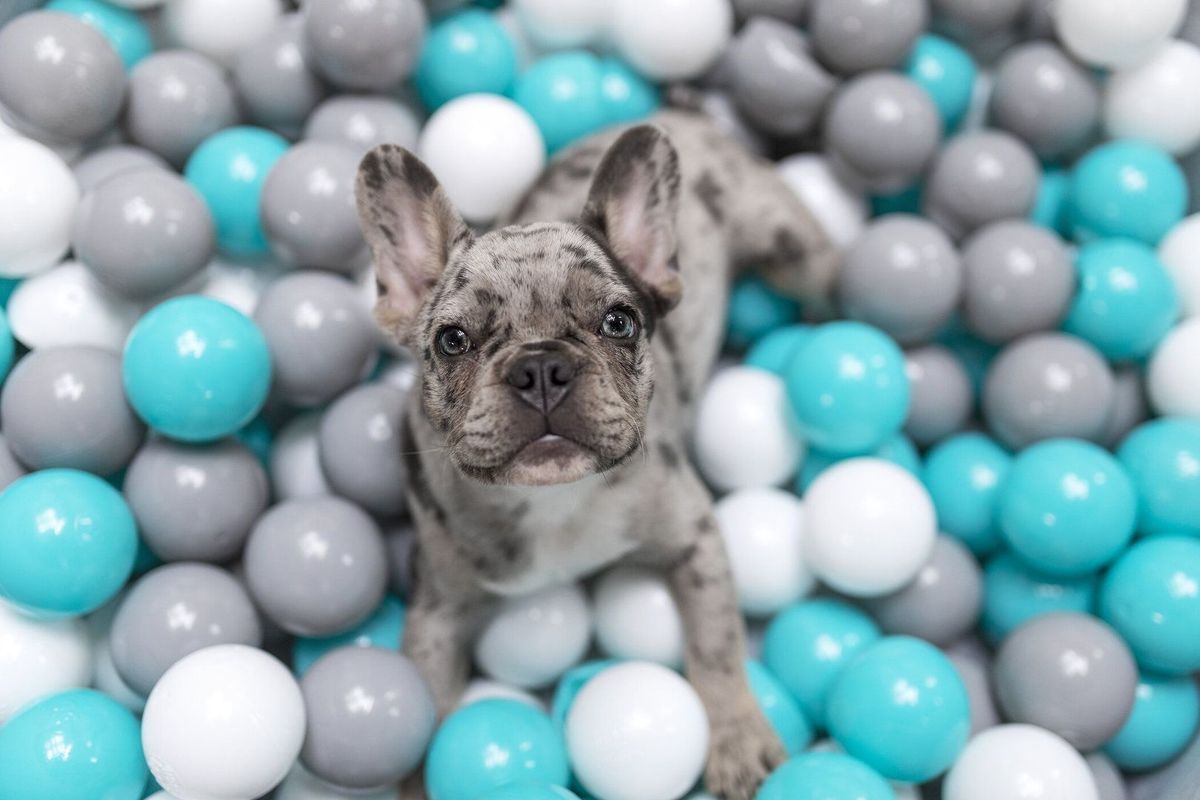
453,341
618,324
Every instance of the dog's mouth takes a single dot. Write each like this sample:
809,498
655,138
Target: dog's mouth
550,446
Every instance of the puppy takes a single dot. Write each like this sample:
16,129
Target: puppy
559,357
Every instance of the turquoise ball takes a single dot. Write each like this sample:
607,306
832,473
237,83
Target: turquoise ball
196,369
898,449
8,345
964,475
229,169
123,28
822,776
1126,188
905,201
808,644
947,72
626,95
571,684
1126,301
1067,508
774,351
1151,596
1164,719
67,542
563,93
780,708
383,629
1013,593
756,310
491,743
77,745
901,708
1163,458
1050,205
528,790
848,388
466,52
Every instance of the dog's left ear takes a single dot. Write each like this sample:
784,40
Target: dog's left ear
634,201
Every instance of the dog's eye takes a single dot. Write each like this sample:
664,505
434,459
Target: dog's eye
452,341
618,324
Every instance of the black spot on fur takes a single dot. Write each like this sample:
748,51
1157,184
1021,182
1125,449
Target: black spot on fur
669,456
388,234
381,289
709,192
420,179
371,170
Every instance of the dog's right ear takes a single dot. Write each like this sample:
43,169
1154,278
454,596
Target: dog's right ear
410,225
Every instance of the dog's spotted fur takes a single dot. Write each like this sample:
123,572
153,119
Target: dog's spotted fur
653,221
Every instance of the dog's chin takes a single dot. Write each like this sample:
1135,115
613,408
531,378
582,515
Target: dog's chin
546,461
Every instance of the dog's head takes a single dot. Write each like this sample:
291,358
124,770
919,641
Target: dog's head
533,340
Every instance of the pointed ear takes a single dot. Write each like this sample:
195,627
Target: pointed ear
410,225
634,201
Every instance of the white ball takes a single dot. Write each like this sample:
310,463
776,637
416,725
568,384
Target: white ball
668,40
484,689
38,195
532,640
223,723
1116,33
1179,251
1173,377
1019,762
841,210
870,527
742,437
1154,100
67,306
220,28
637,731
562,23
636,616
301,785
235,284
39,658
295,460
485,150
763,531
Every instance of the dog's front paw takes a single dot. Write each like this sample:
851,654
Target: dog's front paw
743,752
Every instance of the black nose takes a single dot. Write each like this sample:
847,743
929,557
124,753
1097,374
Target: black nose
542,379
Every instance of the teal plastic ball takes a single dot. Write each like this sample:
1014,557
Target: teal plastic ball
1050,206
123,28
848,388
1164,719
780,708
571,684
756,310
466,52
821,776
563,93
774,351
8,345
229,169
491,743
964,475
1013,593
626,95
947,72
67,542
897,449
528,790
77,745
1126,188
1126,301
196,369
1151,596
1163,458
383,629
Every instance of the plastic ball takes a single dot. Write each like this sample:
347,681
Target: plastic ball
856,35
562,23
466,52
1050,207
39,658
294,464
37,188
300,784
485,150
1163,459
1178,252
636,617
99,165
68,306
815,776
973,662
1172,382
780,708
972,19
1014,594
562,93
363,121
360,454
124,29
670,39
1126,188
1019,761
528,790
481,689
763,531
229,169
965,475
364,46
1116,33
533,639
773,351
756,309
901,708
195,369
947,72
870,527
1165,715
69,542
220,29
1148,100
980,177
942,397
1110,782
491,743
383,629
225,722
637,731
626,95
773,79
941,604
898,450
275,79
839,208
77,745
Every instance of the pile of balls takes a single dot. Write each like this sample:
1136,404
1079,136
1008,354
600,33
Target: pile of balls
961,500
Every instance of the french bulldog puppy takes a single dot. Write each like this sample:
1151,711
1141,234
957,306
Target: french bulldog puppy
559,356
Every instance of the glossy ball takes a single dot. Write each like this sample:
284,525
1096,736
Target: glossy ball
980,177
363,121
626,95
763,531
360,452
1013,594
1147,101
531,640
755,309
773,78
383,629
856,35
1126,188
898,450
365,46
780,708
1166,712
562,93
815,776
941,604
1116,33
964,475
40,657
103,163
554,24
275,80
973,662
838,205
123,29
466,52
947,72
1161,456
942,397
294,464
773,351
67,306
1178,252
973,19
1045,98
636,617
300,784
220,29
1172,383
37,188
195,369
669,40
1004,762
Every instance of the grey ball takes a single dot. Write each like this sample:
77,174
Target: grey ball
370,717
883,129
360,447
100,165
973,18
363,121
793,12
175,610
143,232
1019,278
364,46
10,468
980,177
774,81
723,113
973,663
400,540
321,337
177,98
275,80
66,407
1109,781
1130,407
14,8
1069,673
941,603
1047,385
308,209
317,566
941,396
196,502
60,80
902,275
1042,96
852,36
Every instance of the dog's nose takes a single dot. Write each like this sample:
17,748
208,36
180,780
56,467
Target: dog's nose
542,379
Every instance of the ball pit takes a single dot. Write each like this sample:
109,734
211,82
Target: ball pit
959,493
